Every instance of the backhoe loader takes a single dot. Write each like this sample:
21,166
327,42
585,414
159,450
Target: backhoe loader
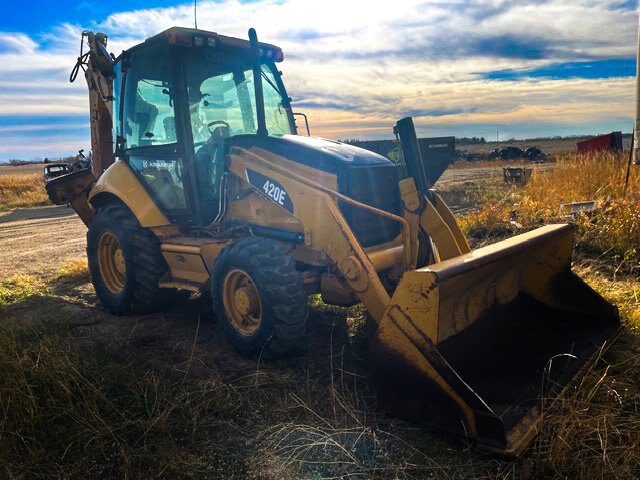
199,182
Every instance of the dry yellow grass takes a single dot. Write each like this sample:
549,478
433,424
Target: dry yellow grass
611,233
22,190
73,269
6,169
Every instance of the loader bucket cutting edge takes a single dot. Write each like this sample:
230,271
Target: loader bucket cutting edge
476,343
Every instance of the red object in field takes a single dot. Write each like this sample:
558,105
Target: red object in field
609,142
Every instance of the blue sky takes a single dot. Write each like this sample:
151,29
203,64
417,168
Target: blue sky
461,67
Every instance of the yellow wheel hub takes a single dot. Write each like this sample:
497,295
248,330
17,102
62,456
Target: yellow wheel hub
241,302
111,263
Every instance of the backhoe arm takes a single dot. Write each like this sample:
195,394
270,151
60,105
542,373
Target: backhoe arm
97,65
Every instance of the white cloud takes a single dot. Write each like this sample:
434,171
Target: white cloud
16,42
357,66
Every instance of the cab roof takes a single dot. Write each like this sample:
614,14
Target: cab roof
195,38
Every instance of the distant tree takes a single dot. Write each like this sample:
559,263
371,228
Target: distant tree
46,160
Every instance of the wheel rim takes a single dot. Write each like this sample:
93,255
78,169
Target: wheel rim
242,302
111,263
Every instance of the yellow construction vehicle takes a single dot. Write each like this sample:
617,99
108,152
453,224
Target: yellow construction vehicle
199,181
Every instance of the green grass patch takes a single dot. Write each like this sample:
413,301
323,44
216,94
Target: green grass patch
19,287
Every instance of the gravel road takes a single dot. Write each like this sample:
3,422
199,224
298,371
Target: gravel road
39,240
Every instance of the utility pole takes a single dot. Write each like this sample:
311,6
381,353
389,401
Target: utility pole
636,127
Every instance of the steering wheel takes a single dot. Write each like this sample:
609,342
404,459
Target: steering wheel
217,122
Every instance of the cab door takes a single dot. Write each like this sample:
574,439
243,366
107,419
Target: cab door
151,138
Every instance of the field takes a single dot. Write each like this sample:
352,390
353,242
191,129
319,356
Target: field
547,146
84,394
6,169
22,186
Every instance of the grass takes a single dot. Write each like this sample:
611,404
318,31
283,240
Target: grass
96,410
22,190
73,408
470,194
611,233
593,431
73,271
77,413
19,287
164,397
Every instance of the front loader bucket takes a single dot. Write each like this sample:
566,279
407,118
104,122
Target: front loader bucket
476,343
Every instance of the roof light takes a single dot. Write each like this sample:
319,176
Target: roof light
279,56
211,42
198,41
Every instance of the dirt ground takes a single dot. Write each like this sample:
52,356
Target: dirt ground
461,175
38,241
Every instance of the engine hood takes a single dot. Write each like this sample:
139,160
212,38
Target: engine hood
327,155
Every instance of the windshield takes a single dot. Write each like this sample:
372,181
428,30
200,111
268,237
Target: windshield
222,101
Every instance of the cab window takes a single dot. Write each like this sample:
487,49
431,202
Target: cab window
149,105
149,115
149,128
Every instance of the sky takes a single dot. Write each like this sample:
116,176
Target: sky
525,68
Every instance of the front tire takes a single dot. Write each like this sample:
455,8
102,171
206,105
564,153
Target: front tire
259,298
125,262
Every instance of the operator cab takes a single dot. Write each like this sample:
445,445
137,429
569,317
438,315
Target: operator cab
179,97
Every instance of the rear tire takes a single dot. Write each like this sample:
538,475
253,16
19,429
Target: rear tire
259,298
125,262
